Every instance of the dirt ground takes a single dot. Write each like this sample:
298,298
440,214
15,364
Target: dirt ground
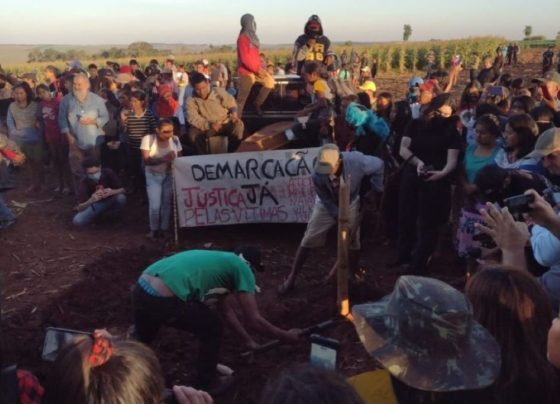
53,274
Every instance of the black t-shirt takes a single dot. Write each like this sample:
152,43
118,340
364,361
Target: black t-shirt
431,139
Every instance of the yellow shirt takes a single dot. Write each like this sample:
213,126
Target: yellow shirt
374,387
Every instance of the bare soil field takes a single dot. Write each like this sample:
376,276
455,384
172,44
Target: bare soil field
53,274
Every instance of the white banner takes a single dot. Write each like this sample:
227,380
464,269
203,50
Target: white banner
272,186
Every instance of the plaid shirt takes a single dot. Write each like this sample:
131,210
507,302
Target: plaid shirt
30,390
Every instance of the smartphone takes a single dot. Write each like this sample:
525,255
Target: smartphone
496,91
56,338
519,203
425,173
324,352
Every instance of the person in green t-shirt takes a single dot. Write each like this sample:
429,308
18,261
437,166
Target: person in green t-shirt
188,289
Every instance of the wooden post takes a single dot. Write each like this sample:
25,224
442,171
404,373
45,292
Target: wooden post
175,215
343,244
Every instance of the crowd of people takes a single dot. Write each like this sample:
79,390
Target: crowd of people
486,166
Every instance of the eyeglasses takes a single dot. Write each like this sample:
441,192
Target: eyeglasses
166,131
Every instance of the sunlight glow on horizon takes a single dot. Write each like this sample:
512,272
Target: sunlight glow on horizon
104,22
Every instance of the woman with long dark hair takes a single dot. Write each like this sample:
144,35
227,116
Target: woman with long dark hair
516,311
137,122
400,117
24,127
520,136
430,147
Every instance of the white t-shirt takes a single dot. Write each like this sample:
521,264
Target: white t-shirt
150,143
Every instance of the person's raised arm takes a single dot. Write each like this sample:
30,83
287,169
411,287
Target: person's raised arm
510,236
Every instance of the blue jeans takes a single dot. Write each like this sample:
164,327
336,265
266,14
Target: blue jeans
160,192
6,215
112,204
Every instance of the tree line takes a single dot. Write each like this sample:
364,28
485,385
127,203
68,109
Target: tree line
135,49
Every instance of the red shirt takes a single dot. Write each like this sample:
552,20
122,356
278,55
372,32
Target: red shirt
30,390
49,112
248,57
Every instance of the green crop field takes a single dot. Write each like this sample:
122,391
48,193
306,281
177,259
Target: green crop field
391,57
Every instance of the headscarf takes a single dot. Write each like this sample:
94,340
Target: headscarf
249,28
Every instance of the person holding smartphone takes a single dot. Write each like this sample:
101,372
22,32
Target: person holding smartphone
430,146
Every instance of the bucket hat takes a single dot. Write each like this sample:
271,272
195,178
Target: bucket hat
424,334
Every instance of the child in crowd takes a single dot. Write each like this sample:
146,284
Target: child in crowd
57,142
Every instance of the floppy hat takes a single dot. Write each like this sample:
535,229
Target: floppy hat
368,86
424,334
327,158
252,255
547,142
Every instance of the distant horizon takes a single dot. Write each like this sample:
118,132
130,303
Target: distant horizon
206,44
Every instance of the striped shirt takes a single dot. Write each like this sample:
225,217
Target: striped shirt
139,126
